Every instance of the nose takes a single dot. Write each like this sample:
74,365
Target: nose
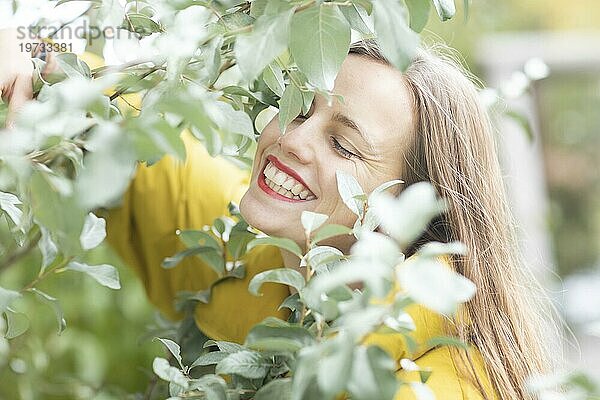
298,142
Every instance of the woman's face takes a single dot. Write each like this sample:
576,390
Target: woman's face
298,172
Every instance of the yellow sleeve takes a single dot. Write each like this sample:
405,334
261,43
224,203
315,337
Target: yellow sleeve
451,378
162,198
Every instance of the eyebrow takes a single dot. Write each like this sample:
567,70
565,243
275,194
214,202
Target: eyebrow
344,120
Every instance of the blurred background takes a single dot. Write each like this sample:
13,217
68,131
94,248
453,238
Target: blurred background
541,56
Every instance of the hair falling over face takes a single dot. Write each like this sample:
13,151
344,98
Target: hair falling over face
453,147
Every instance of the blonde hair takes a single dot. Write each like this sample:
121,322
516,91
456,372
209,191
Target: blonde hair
453,147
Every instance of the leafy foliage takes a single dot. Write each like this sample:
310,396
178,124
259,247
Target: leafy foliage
331,315
214,68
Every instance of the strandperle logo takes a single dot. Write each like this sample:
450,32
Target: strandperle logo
84,31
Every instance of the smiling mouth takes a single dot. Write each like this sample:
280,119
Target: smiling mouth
280,185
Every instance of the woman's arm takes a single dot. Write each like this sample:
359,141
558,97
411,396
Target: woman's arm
16,72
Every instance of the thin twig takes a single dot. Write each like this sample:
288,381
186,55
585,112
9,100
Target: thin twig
21,252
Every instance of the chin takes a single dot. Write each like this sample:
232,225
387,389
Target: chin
271,222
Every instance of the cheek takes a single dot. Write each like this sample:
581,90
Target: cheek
331,202
267,138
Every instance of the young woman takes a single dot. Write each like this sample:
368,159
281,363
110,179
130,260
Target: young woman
425,124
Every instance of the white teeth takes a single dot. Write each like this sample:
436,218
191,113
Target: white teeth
289,183
297,188
269,167
279,177
270,172
285,185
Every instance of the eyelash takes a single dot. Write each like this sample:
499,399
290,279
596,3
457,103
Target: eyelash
340,149
337,146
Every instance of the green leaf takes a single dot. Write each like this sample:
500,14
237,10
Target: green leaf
286,276
166,372
407,216
398,42
311,221
261,97
238,242
292,302
375,247
104,274
305,371
290,106
447,341
329,231
278,336
108,167
419,13
54,303
173,348
280,389
282,243
345,273
7,297
213,386
434,284
402,323
8,204
319,43
228,347
307,99
268,39
72,65
56,211
195,238
273,77
337,356
445,9
320,257
358,19
93,232
213,258
231,120
279,340
348,187
248,364
372,375
210,358
17,324
142,24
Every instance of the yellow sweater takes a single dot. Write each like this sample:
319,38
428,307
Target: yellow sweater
172,195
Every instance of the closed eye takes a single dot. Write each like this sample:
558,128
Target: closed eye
341,150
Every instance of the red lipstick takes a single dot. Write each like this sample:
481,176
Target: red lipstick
287,170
